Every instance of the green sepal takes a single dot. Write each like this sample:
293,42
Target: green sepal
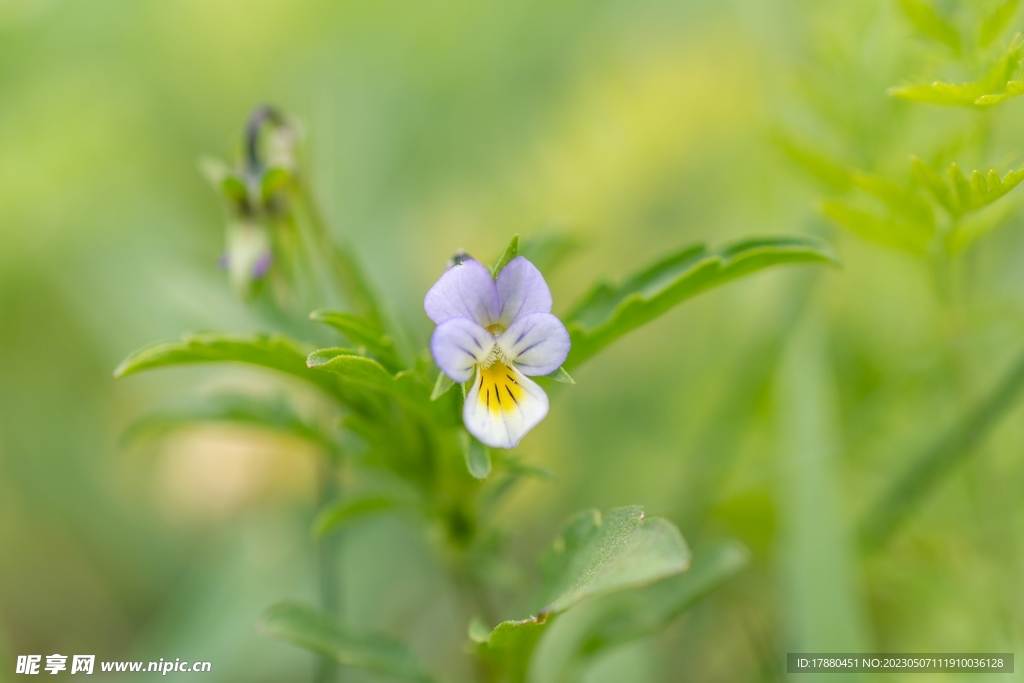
441,386
477,455
560,375
511,251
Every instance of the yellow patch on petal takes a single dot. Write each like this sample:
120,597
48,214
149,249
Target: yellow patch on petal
499,391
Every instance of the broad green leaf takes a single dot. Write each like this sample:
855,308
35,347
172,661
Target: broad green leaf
342,514
361,332
511,251
477,455
610,311
312,629
594,555
996,22
274,413
561,376
359,371
507,649
618,619
889,231
1000,84
648,611
441,386
929,22
275,352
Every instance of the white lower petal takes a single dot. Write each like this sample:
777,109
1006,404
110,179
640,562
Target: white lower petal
503,405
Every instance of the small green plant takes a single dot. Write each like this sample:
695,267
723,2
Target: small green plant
441,455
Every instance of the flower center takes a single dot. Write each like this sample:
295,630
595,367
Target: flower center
500,392
496,355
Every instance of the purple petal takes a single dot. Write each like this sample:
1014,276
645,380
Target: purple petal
502,406
457,345
537,343
464,291
521,290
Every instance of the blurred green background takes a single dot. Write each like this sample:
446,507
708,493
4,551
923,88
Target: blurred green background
775,410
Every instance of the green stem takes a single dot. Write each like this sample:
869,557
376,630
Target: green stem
327,566
938,459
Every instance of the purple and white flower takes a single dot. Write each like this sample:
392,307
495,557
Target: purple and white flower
497,333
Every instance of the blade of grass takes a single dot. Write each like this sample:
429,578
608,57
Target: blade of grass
824,608
932,466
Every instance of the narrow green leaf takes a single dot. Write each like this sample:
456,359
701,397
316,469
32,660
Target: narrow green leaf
995,23
610,311
932,466
889,232
560,375
823,607
312,629
275,352
478,457
441,386
361,332
274,413
345,512
360,371
594,555
930,23
511,251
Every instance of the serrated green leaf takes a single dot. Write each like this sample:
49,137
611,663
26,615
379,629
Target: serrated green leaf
343,513
362,332
511,251
996,22
930,23
477,455
594,555
958,194
886,231
561,376
999,85
314,630
441,386
610,311
275,352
